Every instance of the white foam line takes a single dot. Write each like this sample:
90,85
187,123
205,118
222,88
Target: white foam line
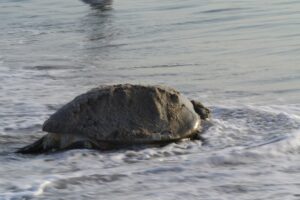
33,191
41,188
287,143
286,110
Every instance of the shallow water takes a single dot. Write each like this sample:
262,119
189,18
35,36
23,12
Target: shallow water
241,58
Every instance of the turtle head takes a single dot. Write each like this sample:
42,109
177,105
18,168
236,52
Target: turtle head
201,110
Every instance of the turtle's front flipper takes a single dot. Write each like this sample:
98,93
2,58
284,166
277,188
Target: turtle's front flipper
36,147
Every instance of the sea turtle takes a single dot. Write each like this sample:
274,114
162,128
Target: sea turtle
116,115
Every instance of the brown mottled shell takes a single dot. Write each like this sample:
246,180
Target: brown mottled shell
127,114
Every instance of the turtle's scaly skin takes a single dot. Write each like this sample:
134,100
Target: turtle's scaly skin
121,115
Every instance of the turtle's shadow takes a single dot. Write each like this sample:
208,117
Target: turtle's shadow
115,148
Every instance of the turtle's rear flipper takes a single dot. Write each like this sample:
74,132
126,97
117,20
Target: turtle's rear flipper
36,147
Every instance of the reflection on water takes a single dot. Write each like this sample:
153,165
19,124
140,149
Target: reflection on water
98,25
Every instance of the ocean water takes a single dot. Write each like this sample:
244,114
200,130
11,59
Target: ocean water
239,57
